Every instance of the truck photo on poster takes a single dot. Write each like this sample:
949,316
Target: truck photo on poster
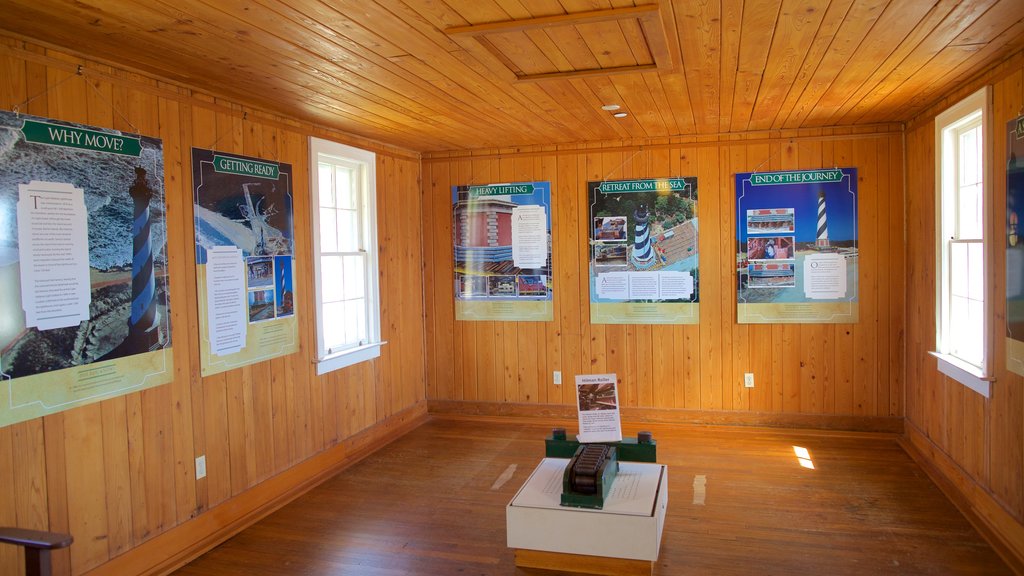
643,251
502,247
796,258
83,266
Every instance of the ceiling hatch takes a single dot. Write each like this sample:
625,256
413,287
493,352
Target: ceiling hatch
596,43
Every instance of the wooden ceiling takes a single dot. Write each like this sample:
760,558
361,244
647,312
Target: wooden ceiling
434,75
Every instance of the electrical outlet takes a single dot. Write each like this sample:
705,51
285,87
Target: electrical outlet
558,377
748,380
201,467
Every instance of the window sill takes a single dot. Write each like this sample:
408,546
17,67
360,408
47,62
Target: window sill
964,373
347,358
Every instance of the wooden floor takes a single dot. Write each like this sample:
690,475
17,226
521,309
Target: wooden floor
433,502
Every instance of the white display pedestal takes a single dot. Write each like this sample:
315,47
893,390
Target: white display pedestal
624,536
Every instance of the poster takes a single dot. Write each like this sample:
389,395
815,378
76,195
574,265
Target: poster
83,266
597,405
796,233
502,239
1015,246
643,251
245,246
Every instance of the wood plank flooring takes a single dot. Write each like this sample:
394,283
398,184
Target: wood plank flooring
433,502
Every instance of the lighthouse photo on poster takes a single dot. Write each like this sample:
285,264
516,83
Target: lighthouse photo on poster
83,265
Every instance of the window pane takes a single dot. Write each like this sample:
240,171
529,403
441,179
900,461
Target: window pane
331,279
326,185
976,271
334,325
348,231
343,186
355,277
958,269
969,225
970,157
328,230
355,321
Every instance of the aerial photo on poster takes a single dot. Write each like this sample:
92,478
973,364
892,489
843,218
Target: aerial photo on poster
83,265
796,258
643,251
502,249
245,259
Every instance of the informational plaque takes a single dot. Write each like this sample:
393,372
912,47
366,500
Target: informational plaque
796,257
644,263
83,266
502,248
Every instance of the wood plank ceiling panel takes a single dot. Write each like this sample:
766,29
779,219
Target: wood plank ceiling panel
945,22
388,70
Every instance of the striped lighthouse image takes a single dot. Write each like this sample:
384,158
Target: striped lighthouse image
143,332
643,254
821,241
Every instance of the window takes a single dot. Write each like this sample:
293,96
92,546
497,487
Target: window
962,177
345,254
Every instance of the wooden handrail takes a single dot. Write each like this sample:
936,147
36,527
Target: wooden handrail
37,545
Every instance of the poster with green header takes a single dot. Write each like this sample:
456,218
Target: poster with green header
796,258
643,251
244,259
502,248
83,266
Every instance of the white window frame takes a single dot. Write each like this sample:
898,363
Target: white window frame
977,378
329,360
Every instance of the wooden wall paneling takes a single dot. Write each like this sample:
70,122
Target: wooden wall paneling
175,129
390,307
865,332
550,393
440,263
87,515
29,475
729,381
11,557
566,200
886,246
759,349
56,488
686,338
712,357
735,161
414,368
841,155
898,277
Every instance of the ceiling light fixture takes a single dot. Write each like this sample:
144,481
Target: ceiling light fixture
610,107
620,114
